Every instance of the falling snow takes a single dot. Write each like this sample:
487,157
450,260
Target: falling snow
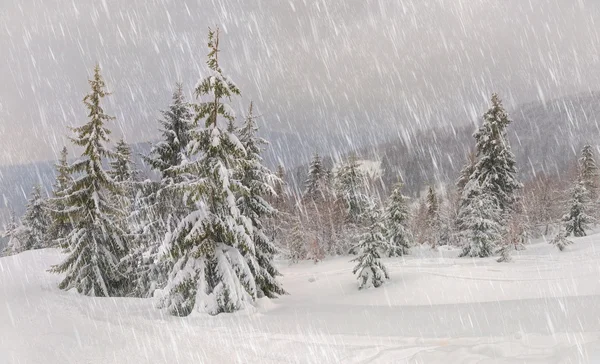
252,239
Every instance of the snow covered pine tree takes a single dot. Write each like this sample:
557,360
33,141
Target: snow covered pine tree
576,221
588,172
176,127
493,181
36,221
16,234
479,218
370,269
213,245
350,186
257,181
158,206
433,224
396,223
560,240
97,241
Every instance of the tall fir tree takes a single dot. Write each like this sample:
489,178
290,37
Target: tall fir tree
257,181
212,245
350,186
481,230
576,221
493,175
495,169
433,224
588,172
60,224
176,128
396,219
369,269
36,221
97,241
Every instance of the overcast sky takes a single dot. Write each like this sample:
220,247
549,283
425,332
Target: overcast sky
315,66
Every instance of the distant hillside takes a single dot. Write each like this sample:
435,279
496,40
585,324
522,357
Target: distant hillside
544,136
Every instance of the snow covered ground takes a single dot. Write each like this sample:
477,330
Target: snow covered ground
542,308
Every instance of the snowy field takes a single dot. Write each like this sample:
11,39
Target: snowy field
542,308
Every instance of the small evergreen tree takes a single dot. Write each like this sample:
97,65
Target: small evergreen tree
212,246
257,181
588,172
396,220
96,243
576,221
296,246
350,183
16,235
60,224
36,221
481,231
561,241
369,269
504,252
433,224
317,180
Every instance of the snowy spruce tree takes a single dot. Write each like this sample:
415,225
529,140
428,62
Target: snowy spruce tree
296,243
369,269
15,234
212,246
257,181
481,230
162,203
493,180
176,127
158,206
316,184
504,252
588,172
122,166
433,224
350,186
396,219
560,241
576,221
36,221
97,241
495,169
60,224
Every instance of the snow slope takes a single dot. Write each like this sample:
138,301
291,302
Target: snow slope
542,308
